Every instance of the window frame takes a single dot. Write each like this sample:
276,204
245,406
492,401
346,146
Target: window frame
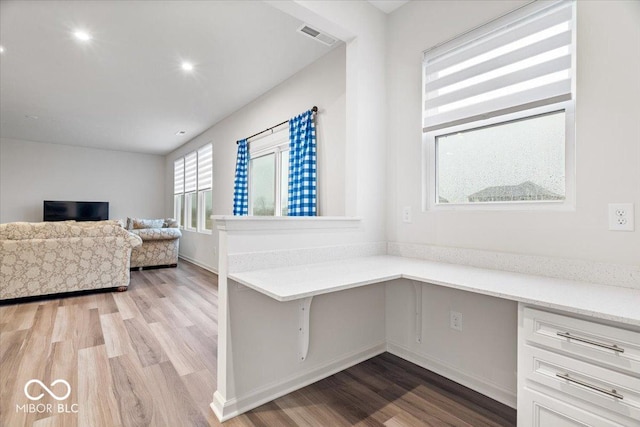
429,156
275,143
202,211
201,208
188,198
430,167
179,213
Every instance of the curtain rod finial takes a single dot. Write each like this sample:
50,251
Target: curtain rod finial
314,109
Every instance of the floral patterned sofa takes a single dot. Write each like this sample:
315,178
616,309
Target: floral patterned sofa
57,257
160,242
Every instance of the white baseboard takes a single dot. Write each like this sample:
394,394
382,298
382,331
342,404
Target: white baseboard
481,385
199,264
218,406
226,409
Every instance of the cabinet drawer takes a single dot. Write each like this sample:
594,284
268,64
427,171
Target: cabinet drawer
539,410
610,390
604,344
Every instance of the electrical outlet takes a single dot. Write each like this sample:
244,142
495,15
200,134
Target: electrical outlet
455,320
621,217
406,214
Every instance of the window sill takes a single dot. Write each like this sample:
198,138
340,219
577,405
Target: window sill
246,223
532,206
196,231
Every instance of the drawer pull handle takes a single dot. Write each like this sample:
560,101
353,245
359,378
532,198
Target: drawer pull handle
588,341
612,393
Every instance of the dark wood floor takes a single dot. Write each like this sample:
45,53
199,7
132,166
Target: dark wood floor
147,357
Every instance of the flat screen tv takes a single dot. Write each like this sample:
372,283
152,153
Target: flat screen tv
55,210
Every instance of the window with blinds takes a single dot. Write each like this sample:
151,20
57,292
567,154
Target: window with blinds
521,61
205,196
193,181
178,176
178,191
205,167
498,117
191,172
190,187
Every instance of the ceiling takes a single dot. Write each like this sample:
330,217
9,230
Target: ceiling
388,6
125,89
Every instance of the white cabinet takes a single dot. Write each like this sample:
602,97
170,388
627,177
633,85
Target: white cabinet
576,372
542,410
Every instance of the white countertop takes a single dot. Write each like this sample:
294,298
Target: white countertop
600,301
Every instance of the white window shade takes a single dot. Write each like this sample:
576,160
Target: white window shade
178,176
205,167
279,137
520,61
190,172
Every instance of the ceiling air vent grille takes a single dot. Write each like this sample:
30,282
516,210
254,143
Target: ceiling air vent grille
317,35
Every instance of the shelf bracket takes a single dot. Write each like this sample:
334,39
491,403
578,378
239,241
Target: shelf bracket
417,290
304,311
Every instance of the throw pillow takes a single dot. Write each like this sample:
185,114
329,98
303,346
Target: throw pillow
170,223
138,223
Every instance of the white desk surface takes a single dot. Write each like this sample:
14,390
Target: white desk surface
600,301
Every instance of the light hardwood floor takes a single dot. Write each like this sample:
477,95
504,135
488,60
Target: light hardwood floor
147,357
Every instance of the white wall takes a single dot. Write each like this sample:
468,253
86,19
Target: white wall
322,84
363,28
31,172
482,356
608,170
607,129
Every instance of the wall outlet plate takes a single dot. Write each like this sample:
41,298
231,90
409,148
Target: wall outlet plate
406,214
455,320
621,217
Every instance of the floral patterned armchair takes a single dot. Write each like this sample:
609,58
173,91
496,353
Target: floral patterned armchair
160,242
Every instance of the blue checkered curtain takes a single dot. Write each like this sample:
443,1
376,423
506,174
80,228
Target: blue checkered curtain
241,183
302,165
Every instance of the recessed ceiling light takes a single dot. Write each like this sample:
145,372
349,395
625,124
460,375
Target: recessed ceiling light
1,49
187,66
83,36
181,132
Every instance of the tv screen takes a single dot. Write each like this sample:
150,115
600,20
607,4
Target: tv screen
80,211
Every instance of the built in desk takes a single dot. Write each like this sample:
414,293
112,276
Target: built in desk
603,304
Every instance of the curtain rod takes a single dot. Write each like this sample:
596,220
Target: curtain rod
314,109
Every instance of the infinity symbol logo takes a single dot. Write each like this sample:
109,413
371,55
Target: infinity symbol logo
52,394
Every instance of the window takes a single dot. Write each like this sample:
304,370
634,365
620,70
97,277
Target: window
193,197
178,208
498,112
205,196
191,211
269,174
284,182
206,210
190,187
178,191
262,188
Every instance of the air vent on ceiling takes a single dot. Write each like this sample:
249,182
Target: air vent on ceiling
323,38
